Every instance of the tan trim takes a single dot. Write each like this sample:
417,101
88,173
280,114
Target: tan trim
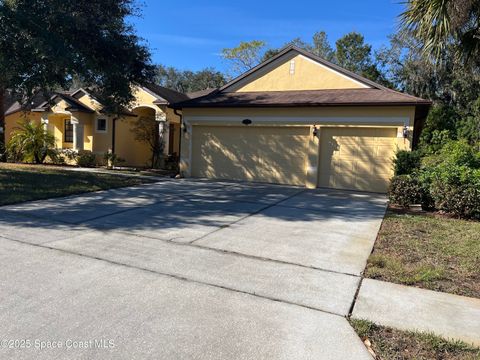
291,120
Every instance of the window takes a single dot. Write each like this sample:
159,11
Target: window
68,131
101,125
292,67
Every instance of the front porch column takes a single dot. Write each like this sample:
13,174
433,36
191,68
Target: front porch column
163,127
77,134
44,121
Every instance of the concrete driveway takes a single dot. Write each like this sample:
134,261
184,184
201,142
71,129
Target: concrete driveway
186,270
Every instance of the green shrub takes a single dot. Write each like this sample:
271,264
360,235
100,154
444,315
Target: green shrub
457,191
406,162
111,159
31,143
86,159
405,190
70,155
459,153
450,180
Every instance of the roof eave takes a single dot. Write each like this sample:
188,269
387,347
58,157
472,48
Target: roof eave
280,105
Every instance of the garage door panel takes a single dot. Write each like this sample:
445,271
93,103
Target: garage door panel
362,159
264,154
342,167
345,151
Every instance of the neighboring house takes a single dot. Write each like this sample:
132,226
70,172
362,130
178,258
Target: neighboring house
78,122
298,119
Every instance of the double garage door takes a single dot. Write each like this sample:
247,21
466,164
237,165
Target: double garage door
349,158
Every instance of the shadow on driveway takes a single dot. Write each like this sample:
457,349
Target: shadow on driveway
165,208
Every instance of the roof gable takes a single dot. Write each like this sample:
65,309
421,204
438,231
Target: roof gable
61,102
294,69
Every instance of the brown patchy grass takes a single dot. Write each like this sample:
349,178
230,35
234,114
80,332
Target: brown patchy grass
392,344
431,252
19,182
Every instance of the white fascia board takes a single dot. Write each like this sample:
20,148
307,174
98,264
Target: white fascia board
335,72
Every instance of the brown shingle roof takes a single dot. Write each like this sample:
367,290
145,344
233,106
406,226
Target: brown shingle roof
340,97
16,105
164,95
200,93
73,103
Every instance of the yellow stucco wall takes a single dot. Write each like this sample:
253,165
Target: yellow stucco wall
143,98
102,141
56,125
297,73
12,121
176,138
135,153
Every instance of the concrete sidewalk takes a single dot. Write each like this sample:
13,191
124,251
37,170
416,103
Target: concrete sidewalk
409,308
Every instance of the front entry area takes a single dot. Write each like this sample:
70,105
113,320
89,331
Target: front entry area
356,158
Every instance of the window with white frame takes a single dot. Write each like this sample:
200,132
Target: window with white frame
101,125
68,131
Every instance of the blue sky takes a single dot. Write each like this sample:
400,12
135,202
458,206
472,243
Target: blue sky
190,34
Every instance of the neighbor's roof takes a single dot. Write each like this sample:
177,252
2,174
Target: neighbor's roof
8,100
375,94
13,105
337,97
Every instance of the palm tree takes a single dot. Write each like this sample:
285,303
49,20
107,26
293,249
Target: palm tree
439,23
31,143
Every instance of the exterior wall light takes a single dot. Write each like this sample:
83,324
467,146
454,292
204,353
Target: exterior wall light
315,131
246,122
405,132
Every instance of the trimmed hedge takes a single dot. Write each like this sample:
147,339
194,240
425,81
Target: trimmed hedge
406,162
404,191
448,181
86,159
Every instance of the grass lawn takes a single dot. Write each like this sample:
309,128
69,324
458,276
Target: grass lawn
391,344
20,182
430,252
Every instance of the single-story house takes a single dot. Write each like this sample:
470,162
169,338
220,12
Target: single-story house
298,119
77,120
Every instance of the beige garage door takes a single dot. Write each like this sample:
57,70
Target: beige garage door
357,159
264,154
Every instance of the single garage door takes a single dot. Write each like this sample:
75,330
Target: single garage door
357,158
253,153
